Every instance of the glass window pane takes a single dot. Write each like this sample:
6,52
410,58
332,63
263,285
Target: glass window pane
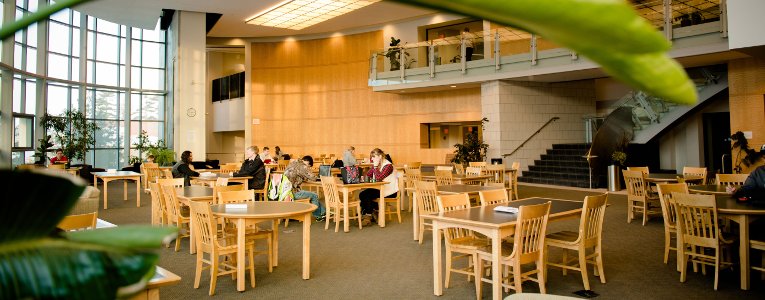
155,35
107,134
106,105
122,75
76,42
32,35
153,55
106,48
152,108
91,43
89,110
123,50
106,74
76,69
31,96
31,60
61,16
136,33
107,27
75,98
58,38
135,56
154,130
135,107
22,157
106,159
58,66
23,132
135,77
152,79
76,18
17,96
58,99
18,51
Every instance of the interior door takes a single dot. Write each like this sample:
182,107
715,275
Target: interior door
717,142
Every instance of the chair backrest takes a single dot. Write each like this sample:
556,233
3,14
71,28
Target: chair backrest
426,197
225,188
329,185
643,170
530,230
412,175
697,219
171,203
497,173
458,168
282,165
692,171
155,191
221,181
176,182
665,196
413,165
236,196
57,166
636,185
444,177
168,174
480,164
493,197
78,222
153,174
516,165
228,168
205,233
445,168
731,179
473,171
591,222
453,202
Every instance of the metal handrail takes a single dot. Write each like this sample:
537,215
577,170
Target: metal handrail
553,119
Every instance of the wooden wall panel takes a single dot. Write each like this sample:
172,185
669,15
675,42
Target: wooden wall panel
746,79
312,97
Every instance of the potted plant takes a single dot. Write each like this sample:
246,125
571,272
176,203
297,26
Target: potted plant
163,156
72,131
751,156
394,55
472,150
42,150
618,158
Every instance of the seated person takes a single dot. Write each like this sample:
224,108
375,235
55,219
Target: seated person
294,175
265,157
150,158
348,158
382,170
59,158
183,170
754,186
253,166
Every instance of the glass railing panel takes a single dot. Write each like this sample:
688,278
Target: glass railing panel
694,12
545,44
416,56
653,11
513,41
446,50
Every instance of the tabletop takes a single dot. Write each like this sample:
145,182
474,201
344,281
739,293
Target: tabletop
709,189
729,205
464,188
670,177
116,174
195,191
268,209
487,216
220,175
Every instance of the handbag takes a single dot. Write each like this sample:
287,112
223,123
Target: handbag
350,174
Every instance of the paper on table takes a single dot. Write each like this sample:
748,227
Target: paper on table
236,206
207,174
506,209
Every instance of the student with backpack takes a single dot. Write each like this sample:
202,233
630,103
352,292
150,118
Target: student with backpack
287,186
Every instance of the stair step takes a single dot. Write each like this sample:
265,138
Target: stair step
561,169
556,175
572,158
571,146
561,182
562,163
573,152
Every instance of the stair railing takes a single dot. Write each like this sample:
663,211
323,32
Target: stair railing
553,119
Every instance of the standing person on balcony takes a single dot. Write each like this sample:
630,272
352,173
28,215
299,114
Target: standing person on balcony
182,168
382,170
468,37
253,166
348,158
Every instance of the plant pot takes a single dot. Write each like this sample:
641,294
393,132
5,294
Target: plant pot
614,174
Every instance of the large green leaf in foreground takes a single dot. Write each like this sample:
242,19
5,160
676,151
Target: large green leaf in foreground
608,32
38,263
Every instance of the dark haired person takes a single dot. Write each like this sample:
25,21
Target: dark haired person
754,186
308,160
60,158
265,156
382,170
253,166
182,168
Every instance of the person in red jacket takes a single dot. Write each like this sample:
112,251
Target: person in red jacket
59,158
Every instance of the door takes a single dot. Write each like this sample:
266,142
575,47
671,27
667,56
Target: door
717,142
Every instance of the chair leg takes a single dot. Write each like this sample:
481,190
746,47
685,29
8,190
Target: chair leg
422,231
630,213
583,268
541,276
448,275
270,243
178,243
683,265
251,257
599,264
478,274
398,211
337,219
645,212
666,245
328,219
564,262
358,215
198,272
517,280
717,266
213,272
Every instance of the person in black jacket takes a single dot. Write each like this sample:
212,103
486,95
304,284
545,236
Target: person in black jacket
182,170
253,166
754,186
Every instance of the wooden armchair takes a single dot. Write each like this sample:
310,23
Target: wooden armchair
639,196
670,214
697,222
334,205
460,241
426,203
589,236
528,247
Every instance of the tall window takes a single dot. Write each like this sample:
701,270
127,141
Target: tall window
24,88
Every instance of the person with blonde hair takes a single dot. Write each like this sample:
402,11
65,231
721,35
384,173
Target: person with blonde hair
253,166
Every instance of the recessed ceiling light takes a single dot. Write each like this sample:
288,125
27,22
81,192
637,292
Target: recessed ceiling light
299,14
452,86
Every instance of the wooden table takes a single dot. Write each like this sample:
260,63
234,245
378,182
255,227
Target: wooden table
187,194
211,180
708,189
123,175
666,178
458,178
743,214
347,189
464,189
495,225
257,212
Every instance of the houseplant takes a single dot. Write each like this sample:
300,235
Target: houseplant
394,55
72,131
751,156
42,150
472,150
163,156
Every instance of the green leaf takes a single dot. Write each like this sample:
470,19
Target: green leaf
608,32
41,14
136,236
34,203
60,269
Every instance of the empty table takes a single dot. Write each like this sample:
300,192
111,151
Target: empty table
123,175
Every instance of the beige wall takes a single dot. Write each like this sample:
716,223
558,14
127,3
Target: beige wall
746,79
223,146
312,97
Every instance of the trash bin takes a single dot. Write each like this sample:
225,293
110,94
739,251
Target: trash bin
613,178
496,161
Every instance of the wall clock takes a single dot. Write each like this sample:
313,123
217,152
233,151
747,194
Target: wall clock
191,112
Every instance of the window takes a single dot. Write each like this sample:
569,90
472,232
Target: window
445,135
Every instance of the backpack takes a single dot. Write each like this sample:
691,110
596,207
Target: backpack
280,188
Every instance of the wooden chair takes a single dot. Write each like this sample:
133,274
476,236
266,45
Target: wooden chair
731,179
158,210
528,247
473,171
264,191
57,166
643,170
639,197
228,168
167,173
221,181
390,204
670,215
152,174
493,197
282,165
480,164
241,196
516,165
512,180
460,241
426,203
691,171
459,169
697,222
225,188
210,242
413,165
497,172
589,236
334,205
444,168
78,222
758,245
412,176
142,170
253,232
444,177
175,215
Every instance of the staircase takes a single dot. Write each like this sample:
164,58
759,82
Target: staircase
561,165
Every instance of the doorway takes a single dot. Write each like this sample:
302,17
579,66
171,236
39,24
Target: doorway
717,142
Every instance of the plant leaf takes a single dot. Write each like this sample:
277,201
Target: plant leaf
136,236
35,202
608,32
60,269
41,14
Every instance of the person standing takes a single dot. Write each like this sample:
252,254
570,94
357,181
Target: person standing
253,166
382,170
468,37
348,158
182,168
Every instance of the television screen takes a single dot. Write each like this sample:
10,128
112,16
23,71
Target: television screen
241,84
224,87
234,85
216,90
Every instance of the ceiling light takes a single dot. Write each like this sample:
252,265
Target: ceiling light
453,86
299,14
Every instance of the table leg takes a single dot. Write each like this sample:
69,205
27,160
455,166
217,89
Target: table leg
743,251
437,260
106,191
415,217
240,248
138,192
192,237
275,229
307,246
496,269
124,189
346,226
381,210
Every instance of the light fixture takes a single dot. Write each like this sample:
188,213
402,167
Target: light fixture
454,86
299,14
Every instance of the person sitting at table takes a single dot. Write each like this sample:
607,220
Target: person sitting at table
348,158
59,158
265,156
150,158
296,173
253,166
278,153
382,170
182,168
754,186
307,160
